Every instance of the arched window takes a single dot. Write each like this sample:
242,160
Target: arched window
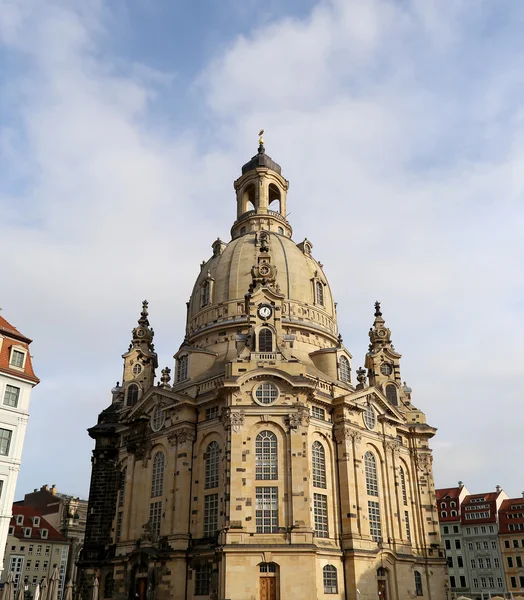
265,340
345,371
319,293
403,486
181,368
442,505
329,575
132,394
318,461
370,464
418,584
266,455
157,480
109,585
391,395
281,230
212,465
206,287
242,230
443,514
453,513
452,504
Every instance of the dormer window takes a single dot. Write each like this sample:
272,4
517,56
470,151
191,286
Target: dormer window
181,368
19,519
17,359
205,293
36,521
44,533
11,530
27,532
319,293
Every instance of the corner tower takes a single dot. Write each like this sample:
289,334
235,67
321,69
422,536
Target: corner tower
264,471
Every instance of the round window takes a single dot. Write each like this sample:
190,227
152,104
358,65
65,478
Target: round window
158,418
370,418
386,369
137,369
266,393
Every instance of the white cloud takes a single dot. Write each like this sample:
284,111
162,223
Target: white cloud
404,170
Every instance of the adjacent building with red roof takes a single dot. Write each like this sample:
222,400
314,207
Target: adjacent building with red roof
34,549
511,537
17,379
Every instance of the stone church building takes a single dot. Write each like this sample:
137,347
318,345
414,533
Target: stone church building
266,470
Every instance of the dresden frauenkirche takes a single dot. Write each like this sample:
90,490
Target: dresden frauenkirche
267,470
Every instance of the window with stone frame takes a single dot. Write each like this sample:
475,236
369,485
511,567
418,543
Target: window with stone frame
109,585
418,584
157,479
320,513
155,517
206,292
265,340
122,486
370,465
17,359
132,394
12,393
408,527
5,441
266,456
375,525
210,515
403,486
329,576
266,509
212,465
318,463
391,395
203,580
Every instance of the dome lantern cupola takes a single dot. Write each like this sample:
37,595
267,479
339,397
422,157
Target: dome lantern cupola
261,196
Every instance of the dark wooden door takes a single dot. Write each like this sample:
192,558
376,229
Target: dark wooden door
382,590
268,588
141,588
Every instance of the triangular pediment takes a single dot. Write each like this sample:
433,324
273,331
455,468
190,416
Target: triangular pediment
153,397
373,395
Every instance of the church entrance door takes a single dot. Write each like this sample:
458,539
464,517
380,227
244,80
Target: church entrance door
268,588
141,588
382,590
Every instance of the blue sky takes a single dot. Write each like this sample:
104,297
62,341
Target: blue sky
400,127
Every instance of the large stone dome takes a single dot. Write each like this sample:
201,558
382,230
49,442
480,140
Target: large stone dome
228,273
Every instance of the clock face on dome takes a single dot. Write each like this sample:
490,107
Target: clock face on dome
265,311
140,333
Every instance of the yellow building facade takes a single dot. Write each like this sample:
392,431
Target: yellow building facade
266,470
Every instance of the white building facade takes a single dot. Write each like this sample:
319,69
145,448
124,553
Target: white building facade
17,380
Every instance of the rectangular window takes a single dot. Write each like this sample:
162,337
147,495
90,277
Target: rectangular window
462,581
510,562
321,517
486,545
446,529
494,545
473,564
16,565
475,530
521,580
460,561
491,582
47,550
266,509
408,528
28,565
30,550
119,521
452,581
515,543
483,582
203,580
491,529
468,530
318,413
488,563
475,583
375,528
455,529
457,544
449,561
11,395
37,565
496,563
482,530
506,543
155,516
39,549
519,562
470,545
514,582
45,565
5,441
17,359
478,545
211,413
500,583
481,563
210,515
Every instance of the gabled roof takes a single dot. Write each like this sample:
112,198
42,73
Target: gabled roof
12,337
443,493
507,505
28,512
489,497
